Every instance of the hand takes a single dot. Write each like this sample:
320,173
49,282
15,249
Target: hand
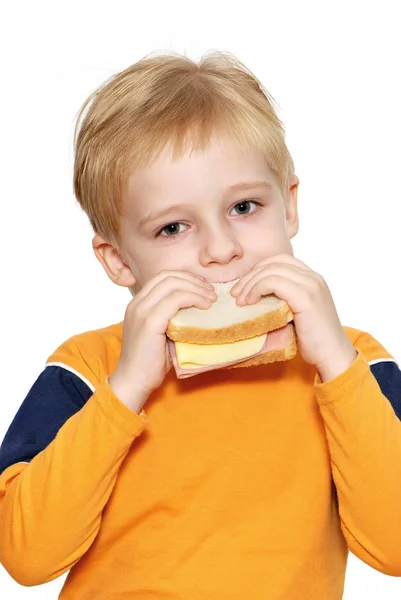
144,360
322,341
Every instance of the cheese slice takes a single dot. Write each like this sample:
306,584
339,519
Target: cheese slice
191,356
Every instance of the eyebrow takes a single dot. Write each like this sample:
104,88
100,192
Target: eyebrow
247,185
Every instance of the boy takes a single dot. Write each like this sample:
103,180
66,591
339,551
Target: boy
245,483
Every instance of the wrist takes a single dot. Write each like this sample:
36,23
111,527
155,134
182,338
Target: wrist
340,359
132,395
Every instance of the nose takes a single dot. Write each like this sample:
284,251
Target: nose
219,246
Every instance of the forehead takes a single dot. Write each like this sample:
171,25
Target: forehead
221,165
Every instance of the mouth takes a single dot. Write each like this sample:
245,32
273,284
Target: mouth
233,281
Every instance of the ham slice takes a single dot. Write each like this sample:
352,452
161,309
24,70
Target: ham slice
279,338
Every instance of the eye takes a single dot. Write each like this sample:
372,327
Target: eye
171,229
244,207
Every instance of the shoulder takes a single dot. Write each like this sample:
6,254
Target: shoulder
91,355
372,349
382,365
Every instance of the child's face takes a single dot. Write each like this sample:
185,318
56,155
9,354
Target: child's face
183,216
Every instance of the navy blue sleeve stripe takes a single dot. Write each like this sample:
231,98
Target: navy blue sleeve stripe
71,370
57,394
388,376
380,360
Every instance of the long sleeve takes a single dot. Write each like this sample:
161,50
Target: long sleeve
364,439
51,507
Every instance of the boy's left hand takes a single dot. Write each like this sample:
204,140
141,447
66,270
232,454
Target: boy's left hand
321,338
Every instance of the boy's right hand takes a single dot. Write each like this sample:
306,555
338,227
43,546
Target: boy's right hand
144,360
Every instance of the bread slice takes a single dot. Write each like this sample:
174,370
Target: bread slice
287,352
225,322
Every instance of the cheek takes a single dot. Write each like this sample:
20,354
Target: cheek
267,239
179,256
148,262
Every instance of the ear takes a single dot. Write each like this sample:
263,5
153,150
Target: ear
112,262
291,208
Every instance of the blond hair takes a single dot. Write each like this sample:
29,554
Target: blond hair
163,99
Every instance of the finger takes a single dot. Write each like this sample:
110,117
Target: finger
290,291
262,264
186,275
166,287
168,307
173,280
238,287
251,278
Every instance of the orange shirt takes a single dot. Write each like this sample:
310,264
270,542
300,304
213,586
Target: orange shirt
238,484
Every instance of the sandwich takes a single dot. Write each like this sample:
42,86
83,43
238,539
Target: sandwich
228,336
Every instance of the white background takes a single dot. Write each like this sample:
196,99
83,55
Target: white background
334,69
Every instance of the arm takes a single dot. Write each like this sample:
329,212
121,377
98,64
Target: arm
364,438
363,431
51,506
